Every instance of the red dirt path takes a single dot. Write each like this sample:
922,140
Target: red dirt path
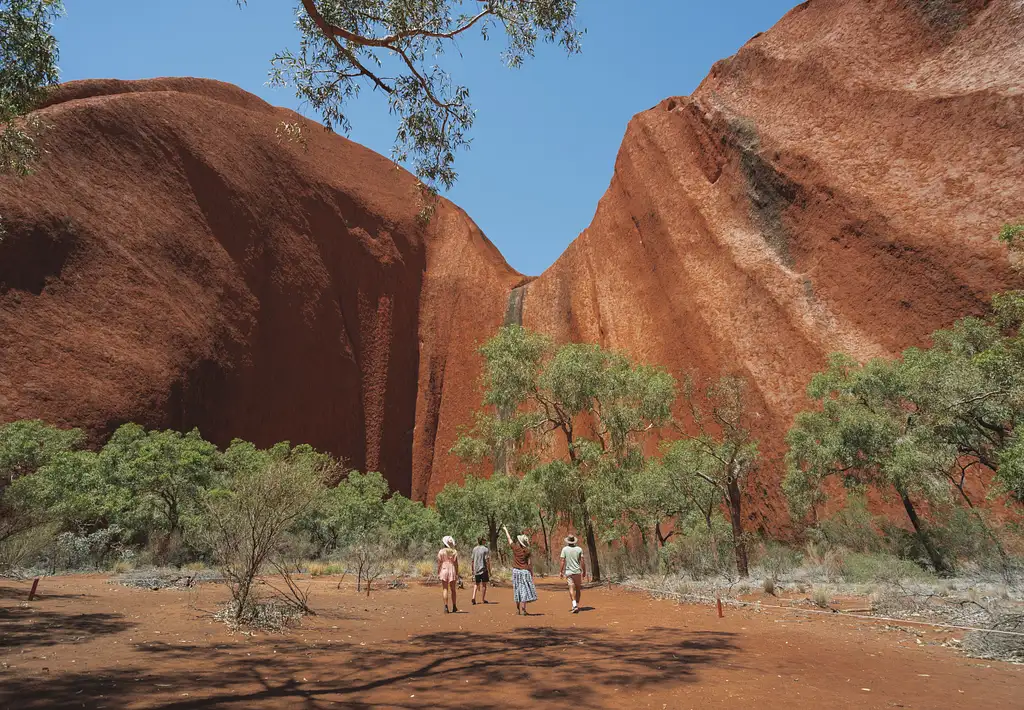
87,643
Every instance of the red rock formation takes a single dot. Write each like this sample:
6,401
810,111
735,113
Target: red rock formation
173,262
836,185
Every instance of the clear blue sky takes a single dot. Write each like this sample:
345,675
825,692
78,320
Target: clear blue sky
546,135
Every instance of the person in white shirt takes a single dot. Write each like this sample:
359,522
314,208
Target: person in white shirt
574,569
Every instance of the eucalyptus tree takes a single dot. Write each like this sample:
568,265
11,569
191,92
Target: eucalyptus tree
920,424
482,505
154,480
576,417
701,471
865,433
28,65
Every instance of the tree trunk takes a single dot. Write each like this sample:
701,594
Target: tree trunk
544,533
736,518
595,566
588,529
922,535
662,539
492,536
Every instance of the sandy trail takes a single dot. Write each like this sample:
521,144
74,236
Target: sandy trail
88,643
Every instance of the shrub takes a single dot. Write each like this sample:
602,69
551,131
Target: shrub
95,550
777,560
827,560
325,569
632,560
248,521
965,538
698,551
852,528
821,596
371,561
858,567
25,548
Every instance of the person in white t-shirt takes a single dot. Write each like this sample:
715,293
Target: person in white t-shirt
574,569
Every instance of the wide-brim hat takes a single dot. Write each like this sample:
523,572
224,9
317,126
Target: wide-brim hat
524,540
571,540
448,541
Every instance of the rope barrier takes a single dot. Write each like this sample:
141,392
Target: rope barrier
760,605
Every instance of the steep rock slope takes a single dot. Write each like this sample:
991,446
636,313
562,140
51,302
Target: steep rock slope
837,185
175,262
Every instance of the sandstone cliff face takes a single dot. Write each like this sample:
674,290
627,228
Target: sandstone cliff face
836,185
173,262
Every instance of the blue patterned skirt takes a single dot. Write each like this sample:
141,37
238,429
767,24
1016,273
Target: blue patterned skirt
522,586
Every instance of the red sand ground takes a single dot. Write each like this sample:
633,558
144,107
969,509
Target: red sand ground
88,643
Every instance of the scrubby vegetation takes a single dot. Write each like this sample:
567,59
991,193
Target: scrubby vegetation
564,440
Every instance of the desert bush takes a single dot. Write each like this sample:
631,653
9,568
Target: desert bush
859,567
371,561
95,550
248,521
632,559
821,596
695,549
325,569
826,561
970,541
271,615
777,560
1001,647
851,528
26,548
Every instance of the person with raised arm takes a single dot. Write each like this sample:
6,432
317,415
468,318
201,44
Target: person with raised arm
523,589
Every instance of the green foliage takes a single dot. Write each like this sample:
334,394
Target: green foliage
869,567
853,527
596,404
29,444
28,66
396,46
355,507
154,480
392,46
695,548
68,491
1012,235
481,505
861,433
698,473
411,523
920,425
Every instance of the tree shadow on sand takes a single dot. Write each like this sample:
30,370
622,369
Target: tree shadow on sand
25,626
545,663
19,593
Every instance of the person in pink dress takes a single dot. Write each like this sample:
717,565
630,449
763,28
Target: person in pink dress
448,571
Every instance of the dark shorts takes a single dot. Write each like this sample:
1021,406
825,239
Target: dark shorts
482,578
